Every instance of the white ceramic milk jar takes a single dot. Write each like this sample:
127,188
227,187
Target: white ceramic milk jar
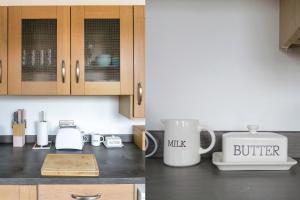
182,142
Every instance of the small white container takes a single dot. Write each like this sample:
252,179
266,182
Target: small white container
182,142
113,142
97,139
254,146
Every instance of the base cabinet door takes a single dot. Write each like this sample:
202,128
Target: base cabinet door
70,192
28,192
18,192
9,192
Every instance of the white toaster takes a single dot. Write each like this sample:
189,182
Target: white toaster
69,138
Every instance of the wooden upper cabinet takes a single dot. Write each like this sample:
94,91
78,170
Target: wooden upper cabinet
133,106
102,50
139,62
289,23
3,50
39,50
78,50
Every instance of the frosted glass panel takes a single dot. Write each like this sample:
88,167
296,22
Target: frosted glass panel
39,49
102,49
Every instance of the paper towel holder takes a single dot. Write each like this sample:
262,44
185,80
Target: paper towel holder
42,133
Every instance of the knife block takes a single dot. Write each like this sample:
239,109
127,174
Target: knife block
18,141
19,129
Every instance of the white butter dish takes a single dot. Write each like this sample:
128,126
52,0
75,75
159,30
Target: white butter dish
113,142
253,146
232,166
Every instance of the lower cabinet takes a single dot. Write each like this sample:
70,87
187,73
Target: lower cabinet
68,192
65,192
18,192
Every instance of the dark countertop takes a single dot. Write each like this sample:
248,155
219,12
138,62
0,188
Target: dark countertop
206,182
117,166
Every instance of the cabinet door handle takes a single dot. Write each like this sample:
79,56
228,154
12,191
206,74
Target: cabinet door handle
140,94
1,71
63,71
77,71
80,197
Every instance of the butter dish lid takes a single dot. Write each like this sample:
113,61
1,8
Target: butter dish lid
253,133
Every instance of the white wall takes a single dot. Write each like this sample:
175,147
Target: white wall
91,114
218,61
71,2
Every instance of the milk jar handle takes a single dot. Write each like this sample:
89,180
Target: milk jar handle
213,141
102,138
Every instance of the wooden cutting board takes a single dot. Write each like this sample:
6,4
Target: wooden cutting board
70,165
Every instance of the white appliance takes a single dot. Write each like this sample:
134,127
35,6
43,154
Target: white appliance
182,142
69,138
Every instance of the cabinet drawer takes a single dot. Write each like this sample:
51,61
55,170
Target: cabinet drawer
108,192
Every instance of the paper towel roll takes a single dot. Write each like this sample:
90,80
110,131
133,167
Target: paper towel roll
42,135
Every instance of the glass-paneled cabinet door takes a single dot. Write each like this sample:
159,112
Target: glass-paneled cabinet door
3,50
102,50
39,50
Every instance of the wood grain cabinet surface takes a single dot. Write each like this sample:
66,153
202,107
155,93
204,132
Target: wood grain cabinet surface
39,50
3,50
289,23
133,106
139,61
75,50
107,192
65,192
102,50
18,192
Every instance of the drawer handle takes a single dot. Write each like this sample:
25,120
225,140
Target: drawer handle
140,94
77,71
63,71
0,71
80,197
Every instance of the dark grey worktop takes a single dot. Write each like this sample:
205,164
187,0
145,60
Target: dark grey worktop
117,166
206,182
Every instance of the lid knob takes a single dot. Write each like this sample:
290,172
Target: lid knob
253,128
